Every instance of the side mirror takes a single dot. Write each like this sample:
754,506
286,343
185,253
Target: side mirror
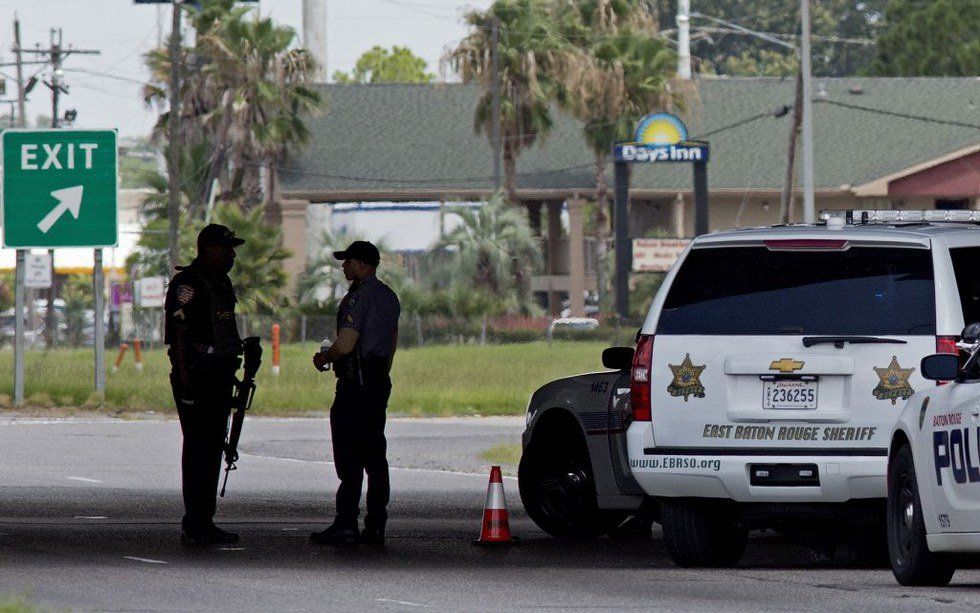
618,358
940,367
971,333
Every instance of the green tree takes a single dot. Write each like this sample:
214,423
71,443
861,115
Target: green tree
492,250
258,276
244,92
77,294
379,65
626,76
843,35
936,39
531,51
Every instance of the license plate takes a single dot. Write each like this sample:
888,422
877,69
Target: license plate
789,394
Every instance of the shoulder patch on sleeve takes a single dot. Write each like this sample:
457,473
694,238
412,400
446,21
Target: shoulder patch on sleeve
184,294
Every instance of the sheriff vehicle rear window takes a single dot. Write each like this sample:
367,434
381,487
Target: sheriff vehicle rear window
754,291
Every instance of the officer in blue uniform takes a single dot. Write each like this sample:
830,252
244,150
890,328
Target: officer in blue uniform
361,356
204,348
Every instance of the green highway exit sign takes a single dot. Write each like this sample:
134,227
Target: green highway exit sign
59,188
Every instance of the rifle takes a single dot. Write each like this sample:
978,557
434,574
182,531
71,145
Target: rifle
241,401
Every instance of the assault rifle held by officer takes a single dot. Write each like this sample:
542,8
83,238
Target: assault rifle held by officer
241,401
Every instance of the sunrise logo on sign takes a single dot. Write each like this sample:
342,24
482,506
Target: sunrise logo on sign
661,137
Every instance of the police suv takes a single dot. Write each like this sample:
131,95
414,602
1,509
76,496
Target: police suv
934,468
764,386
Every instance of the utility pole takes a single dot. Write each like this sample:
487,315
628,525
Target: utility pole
315,35
684,39
786,201
495,98
173,137
56,53
21,94
809,215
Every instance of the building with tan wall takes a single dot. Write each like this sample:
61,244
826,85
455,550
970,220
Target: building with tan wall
878,143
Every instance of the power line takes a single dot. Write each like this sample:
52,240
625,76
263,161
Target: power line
868,109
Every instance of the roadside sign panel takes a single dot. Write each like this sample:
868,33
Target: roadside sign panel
657,254
37,270
150,292
59,188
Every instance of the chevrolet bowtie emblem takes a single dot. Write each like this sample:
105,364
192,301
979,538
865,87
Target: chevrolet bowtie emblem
786,365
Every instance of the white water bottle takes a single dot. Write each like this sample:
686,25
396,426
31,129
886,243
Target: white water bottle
324,348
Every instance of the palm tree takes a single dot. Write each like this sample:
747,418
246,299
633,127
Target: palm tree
627,75
530,51
492,248
265,92
244,92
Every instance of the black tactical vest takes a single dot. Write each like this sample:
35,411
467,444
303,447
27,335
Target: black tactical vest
222,314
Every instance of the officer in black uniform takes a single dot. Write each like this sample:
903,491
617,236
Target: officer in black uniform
367,335
204,348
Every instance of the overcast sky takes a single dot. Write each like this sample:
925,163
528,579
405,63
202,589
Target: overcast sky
105,90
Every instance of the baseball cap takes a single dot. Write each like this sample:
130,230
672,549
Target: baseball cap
362,251
216,234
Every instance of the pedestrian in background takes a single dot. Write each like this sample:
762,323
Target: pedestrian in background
204,348
361,356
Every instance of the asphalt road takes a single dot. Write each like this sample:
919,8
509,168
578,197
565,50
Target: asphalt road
89,516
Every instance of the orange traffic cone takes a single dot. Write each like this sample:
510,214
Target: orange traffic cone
496,528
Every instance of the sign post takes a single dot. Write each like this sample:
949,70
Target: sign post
19,330
60,189
660,137
99,341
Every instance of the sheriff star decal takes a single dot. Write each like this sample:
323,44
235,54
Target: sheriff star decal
687,379
894,382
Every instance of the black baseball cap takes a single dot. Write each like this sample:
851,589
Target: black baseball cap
361,251
216,234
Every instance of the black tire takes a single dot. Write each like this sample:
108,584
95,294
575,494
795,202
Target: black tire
558,491
912,562
701,535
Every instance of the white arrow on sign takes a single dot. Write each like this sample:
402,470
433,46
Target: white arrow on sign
69,200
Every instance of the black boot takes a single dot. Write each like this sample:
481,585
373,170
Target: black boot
335,535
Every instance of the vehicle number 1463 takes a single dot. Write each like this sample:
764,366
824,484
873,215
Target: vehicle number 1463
789,394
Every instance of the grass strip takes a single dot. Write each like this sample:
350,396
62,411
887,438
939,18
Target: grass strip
445,380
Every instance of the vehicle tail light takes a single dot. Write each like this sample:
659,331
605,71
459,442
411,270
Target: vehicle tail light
947,344
807,244
640,379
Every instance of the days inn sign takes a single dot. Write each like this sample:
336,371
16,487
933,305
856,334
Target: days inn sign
661,137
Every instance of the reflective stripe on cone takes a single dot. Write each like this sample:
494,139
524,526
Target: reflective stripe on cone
496,527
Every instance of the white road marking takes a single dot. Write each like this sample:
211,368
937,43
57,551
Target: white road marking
85,479
393,468
146,560
404,602
232,548
91,517
290,529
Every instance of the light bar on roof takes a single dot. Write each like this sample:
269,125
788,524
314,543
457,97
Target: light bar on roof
860,216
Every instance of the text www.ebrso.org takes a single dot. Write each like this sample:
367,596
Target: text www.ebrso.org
678,462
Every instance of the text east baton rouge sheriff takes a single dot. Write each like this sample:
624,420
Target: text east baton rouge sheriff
788,433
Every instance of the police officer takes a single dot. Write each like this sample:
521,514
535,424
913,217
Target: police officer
204,349
367,335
